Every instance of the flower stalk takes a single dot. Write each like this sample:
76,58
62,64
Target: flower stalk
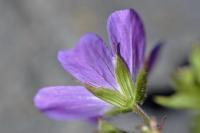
138,110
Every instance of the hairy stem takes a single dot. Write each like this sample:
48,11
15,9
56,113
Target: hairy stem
138,110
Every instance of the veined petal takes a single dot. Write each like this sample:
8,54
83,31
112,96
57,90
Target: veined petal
125,28
90,62
69,103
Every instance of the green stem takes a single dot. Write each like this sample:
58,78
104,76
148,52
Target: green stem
138,110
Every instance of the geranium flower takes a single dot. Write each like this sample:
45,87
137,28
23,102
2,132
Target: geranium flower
92,63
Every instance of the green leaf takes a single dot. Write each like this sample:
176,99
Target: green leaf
181,100
196,123
140,86
123,78
110,96
195,61
187,83
183,80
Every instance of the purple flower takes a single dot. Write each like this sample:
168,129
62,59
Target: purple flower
91,62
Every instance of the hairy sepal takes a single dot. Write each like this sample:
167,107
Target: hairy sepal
124,78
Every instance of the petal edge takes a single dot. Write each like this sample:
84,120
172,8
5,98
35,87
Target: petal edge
69,103
90,62
125,28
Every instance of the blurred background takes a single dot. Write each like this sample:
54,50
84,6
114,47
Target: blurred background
32,31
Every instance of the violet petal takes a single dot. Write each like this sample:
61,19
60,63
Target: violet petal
154,55
125,28
69,103
90,62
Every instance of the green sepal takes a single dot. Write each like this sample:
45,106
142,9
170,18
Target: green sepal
105,127
124,78
111,96
140,86
116,111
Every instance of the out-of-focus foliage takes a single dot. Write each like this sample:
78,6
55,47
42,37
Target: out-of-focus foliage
186,81
196,123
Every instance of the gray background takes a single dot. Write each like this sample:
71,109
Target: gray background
32,31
